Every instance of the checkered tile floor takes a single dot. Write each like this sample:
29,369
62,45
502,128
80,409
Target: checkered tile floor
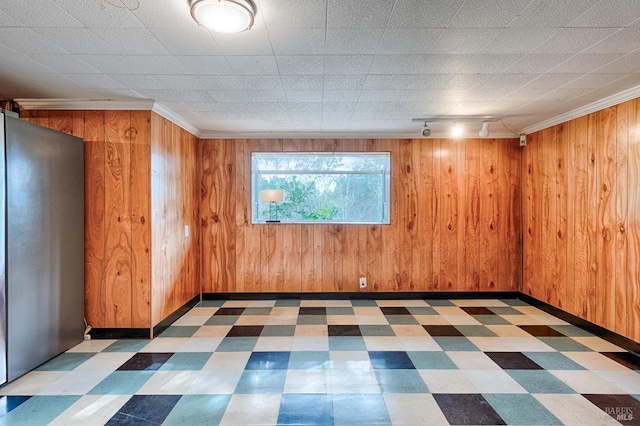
343,362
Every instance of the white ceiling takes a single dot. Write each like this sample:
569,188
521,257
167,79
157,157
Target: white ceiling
326,67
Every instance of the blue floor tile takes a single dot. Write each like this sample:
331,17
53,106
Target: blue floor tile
179,331
198,410
309,360
553,361
306,409
268,361
432,361
521,409
144,409
340,343
127,345
237,344
122,383
401,381
187,361
539,381
360,409
39,410
8,403
261,381
455,344
390,360
65,362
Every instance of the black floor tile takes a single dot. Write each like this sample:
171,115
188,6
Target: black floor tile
541,331
245,331
390,360
390,310
513,361
473,310
145,410
623,408
627,359
145,361
229,311
268,361
344,330
442,330
467,409
311,310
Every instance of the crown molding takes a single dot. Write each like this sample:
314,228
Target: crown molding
176,119
610,101
86,104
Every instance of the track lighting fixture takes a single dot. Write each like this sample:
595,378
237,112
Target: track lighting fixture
456,130
484,132
426,131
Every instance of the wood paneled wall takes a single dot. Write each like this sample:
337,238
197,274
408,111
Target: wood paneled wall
139,268
174,200
581,217
117,226
455,222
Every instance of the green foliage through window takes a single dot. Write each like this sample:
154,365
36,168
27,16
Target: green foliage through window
322,187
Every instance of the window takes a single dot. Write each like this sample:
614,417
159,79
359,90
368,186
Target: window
321,187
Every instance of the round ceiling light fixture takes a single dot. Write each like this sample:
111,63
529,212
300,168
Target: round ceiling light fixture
224,16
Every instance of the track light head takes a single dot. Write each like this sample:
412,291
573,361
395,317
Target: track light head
484,132
426,131
456,130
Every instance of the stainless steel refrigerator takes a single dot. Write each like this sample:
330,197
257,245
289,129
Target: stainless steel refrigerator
41,245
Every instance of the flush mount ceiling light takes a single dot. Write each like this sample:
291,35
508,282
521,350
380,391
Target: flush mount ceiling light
224,16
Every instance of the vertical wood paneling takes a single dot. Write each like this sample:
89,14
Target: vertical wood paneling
118,272
595,268
633,223
140,136
95,296
509,218
620,225
430,243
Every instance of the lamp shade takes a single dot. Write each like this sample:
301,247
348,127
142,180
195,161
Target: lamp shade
223,16
272,195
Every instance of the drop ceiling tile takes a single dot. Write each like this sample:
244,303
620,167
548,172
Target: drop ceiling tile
563,94
441,64
519,40
133,64
178,95
592,81
358,14
230,95
304,95
423,14
406,82
347,64
187,41
94,14
302,81
572,40
303,116
25,40
178,81
169,14
17,63
177,106
585,62
293,13
6,50
393,95
609,13
338,107
310,107
136,81
300,64
487,13
8,21
254,42
344,41
64,64
552,81
212,65
409,40
219,82
344,81
626,40
261,82
95,81
626,64
465,81
469,40
486,63
624,83
537,63
340,95
75,40
396,64
131,41
253,65
297,41
551,14
267,96
38,13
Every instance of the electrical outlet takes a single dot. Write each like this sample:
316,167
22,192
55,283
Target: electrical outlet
363,282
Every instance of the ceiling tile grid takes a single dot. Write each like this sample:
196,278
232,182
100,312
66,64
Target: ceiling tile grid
312,66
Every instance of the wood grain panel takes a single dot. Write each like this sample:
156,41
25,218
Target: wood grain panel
596,267
95,296
425,217
472,247
489,211
449,214
509,154
118,272
632,292
140,136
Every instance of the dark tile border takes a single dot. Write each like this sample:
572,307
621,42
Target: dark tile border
364,295
119,333
165,323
